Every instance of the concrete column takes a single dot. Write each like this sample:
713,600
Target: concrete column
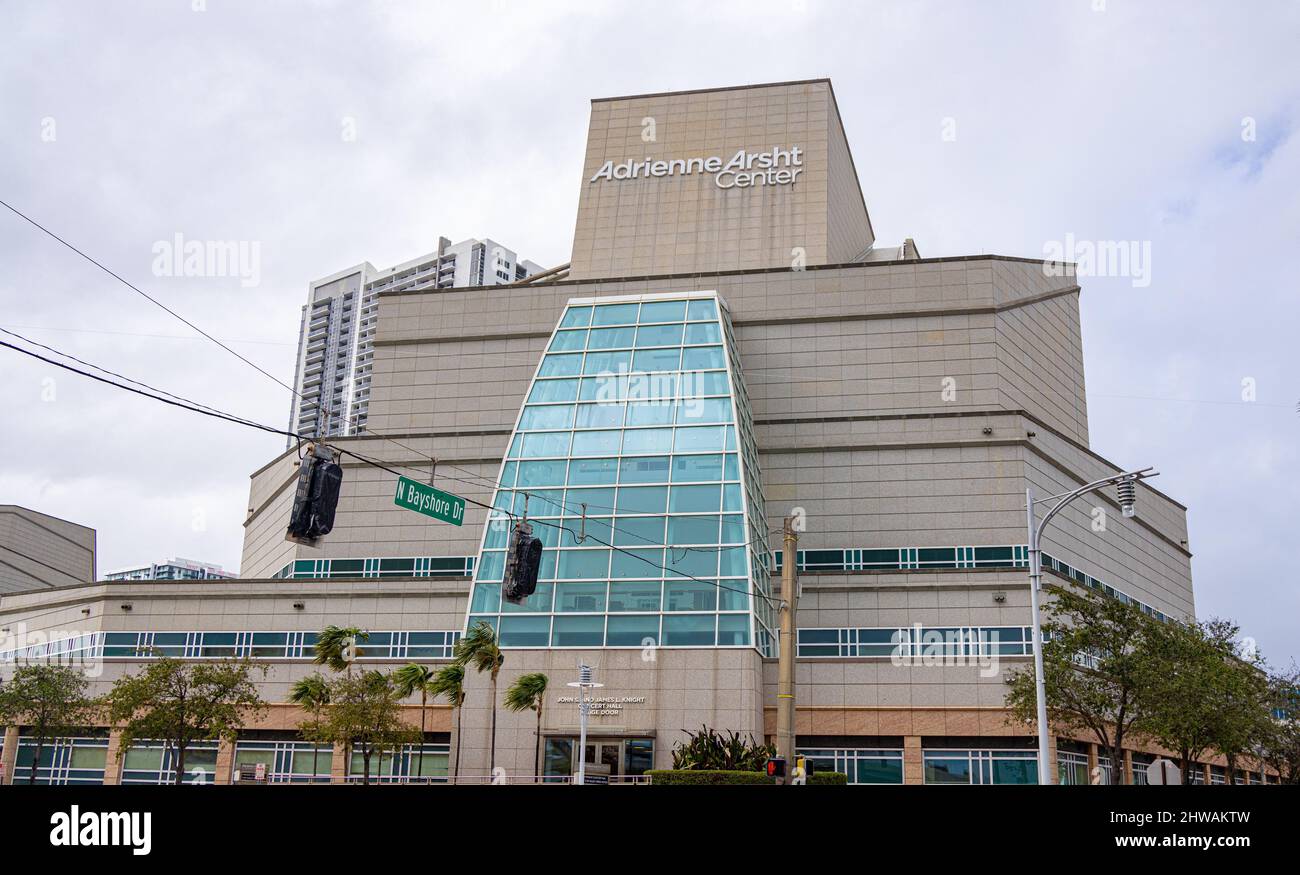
339,764
113,760
913,762
225,761
1094,759
1128,766
9,755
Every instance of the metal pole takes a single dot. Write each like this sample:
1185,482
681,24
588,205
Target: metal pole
584,681
1040,683
785,735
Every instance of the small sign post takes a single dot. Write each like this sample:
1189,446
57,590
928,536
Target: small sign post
429,501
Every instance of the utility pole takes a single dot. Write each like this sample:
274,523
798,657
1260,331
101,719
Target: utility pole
785,655
584,683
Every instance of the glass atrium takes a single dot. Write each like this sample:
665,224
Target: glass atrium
633,459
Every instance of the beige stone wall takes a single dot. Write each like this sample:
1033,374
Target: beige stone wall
686,223
38,551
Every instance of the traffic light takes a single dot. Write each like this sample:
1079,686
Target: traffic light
776,767
523,562
319,480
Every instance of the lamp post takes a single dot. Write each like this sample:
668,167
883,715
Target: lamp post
584,683
1127,493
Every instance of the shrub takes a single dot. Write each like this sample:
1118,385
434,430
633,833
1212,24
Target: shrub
708,749
835,778
701,777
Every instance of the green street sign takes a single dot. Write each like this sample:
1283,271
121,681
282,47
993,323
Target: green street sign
429,501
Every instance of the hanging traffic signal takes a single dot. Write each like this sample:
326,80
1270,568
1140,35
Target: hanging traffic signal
523,562
320,479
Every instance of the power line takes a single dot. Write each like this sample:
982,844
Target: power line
187,404
146,296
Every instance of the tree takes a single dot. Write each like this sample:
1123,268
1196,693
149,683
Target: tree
449,682
182,702
1204,695
407,680
480,649
1280,747
336,647
51,699
528,693
312,694
366,715
1095,665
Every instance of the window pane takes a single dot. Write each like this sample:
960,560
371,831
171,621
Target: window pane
705,309
633,631
542,473
553,390
650,413
545,443
592,472
663,311
560,365
647,440
580,597
634,595
608,414
611,338
644,469
639,531
656,359
688,631
703,332
614,314
607,363
694,499
578,632
584,564
702,358
568,340
690,595
658,335
636,563
707,437
642,499
555,416
701,562
595,443
692,530
576,317
733,629
522,631
702,410
603,387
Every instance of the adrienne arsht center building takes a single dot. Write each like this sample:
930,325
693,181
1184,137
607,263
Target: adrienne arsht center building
730,345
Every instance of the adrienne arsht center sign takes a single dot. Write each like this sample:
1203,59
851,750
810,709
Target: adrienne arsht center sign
775,166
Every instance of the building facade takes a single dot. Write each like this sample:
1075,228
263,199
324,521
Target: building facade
336,336
173,569
729,347
39,551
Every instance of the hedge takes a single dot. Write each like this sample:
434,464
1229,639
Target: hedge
705,777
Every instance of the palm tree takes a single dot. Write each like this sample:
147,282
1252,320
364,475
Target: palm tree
479,648
313,694
407,680
336,647
528,694
450,682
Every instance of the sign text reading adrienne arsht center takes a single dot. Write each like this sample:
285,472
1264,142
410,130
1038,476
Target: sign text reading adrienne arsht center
776,166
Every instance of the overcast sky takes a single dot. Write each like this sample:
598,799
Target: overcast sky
332,133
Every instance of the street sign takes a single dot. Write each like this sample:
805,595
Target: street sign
1164,772
429,501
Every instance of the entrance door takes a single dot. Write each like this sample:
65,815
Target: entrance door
603,761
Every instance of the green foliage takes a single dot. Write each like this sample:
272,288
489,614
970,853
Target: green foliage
51,699
337,647
712,750
449,682
479,648
184,702
413,678
1097,660
838,779
704,777
527,693
365,714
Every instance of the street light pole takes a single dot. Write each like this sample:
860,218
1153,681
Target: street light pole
584,683
1127,497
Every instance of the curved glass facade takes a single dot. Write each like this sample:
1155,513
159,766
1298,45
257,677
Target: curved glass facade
633,457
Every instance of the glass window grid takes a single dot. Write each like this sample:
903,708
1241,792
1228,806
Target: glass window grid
737,436
847,760
288,762
407,566
402,769
1072,768
890,642
981,765
57,756
198,755
381,645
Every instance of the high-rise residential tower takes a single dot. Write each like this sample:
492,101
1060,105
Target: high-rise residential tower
335,340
